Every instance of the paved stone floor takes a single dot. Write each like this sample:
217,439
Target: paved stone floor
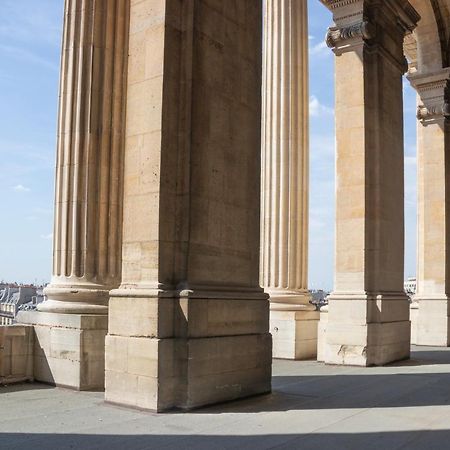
313,406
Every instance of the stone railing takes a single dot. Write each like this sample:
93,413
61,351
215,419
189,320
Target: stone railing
16,353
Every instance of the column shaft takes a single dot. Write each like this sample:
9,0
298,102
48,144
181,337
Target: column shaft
87,228
433,268
368,318
284,209
284,249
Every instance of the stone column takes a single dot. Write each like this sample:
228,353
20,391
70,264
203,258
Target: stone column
433,265
189,324
88,211
368,318
284,209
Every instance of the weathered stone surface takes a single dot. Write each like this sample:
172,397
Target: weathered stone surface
16,353
368,318
294,334
69,349
189,317
161,374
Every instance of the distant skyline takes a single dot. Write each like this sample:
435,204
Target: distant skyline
30,40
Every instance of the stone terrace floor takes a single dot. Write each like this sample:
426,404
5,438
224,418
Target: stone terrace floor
405,405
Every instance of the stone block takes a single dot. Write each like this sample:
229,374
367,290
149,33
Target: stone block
433,322
413,314
145,317
367,345
16,353
190,317
141,372
205,317
294,334
161,374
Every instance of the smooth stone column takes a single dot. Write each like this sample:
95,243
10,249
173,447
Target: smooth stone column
88,205
284,209
189,325
433,265
368,317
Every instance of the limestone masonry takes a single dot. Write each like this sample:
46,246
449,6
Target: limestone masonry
181,206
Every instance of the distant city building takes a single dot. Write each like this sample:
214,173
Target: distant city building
410,286
319,297
14,298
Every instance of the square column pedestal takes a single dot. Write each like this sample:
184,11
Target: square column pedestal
432,322
366,331
294,331
69,349
164,353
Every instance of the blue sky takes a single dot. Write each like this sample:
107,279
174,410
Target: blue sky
30,33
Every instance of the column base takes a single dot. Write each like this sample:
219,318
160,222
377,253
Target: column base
183,353
163,374
77,298
322,334
414,317
433,325
294,331
367,330
374,344
69,349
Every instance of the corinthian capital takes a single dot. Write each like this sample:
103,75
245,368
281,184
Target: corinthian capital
428,114
434,93
338,36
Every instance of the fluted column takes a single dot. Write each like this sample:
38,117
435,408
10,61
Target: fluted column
433,265
87,227
368,318
284,243
284,210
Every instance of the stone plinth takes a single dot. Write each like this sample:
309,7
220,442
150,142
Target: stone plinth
294,331
163,353
69,349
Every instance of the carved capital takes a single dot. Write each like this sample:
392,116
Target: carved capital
434,92
425,115
336,36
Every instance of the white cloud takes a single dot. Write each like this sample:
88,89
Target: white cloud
47,237
21,188
319,49
317,109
